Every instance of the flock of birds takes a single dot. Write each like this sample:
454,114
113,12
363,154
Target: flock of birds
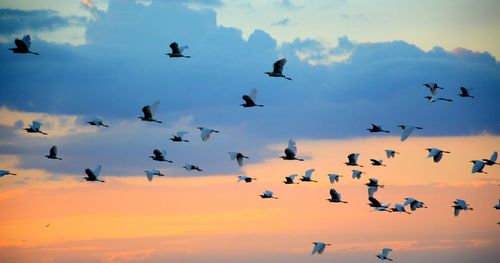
290,153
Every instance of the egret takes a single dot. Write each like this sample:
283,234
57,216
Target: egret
177,51
268,194
291,151
35,128
436,154
459,205
433,87
23,46
5,172
497,206
149,111
245,178
159,156
384,254
492,159
335,197
290,179
356,174
478,166
377,128
251,99
97,121
278,69
238,157
377,205
93,175
307,177
465,93
407,130
373,186
53,153
319,247
152,172
414,204
190,167
353,160
434,99
206,132
390,153
334,178
178,137
377,162
398,209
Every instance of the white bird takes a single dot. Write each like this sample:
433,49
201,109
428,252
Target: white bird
245,178
384,254
319,247
5,172
334,178
93,175
492,160
460,205
278,69
414,204
190,167
178,137
291,151
152,172
407,130
398,209
436,154
356,174
353,160
335,197
159,156
238,157
478,166
53,153
23,46
497,206
205,133
465,93
149,112
251,99
97,121
268,194
290,179
377,162
177,51
35,128
373,186
390,153
377,205
307,177
433,87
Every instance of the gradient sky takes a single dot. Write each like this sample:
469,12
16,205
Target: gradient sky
352,62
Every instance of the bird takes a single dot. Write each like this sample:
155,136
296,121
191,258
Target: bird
35,128
245,178
377,128
478,166
97,121
93,175
373,186
433,87
251,99
434,99
152,172
5,172
23,46
159,156
53,153
149,111
356,174
190,167
384,254
238,157
377,205
178,137
497,206
492,159
460,205
390,153
307,177
177,51
268,194
47,225
278,69
291,151
290,179
414,204
377,162
398,209
436,154
464,92
334,178
319,247
206,132
335,197
353,160
407,130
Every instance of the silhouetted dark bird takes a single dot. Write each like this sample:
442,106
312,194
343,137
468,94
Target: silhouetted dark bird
464,92
23,46
497,206
159,156
178,137
177,51
290,179
335,197
353,160
245,178
278,69
492,160
390,153
151,173
53,153
377,128
238,157
436,154
93,175
334,178
97,121
377,162
319,248
149,111
35,128
373,186
190,167
291,152
384,254
251,99
307,177
268,194
377,204
356,174
478,166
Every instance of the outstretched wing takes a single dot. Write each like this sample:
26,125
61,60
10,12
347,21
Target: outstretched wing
21,45
154,107
278,66
53,151
386,251
253,94
175,48
36,125
181,133
406,132
494,157
292,146
308,173
372,190
374,201
97,170
149,175
27,41
334,194
147,112
205,134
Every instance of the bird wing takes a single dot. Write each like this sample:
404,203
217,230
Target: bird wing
478,165
494,157
292,146
239,159
408,201
253,94
278,66
183,47
154,107
53,151
316,248
352,157
97,120
181,133
461,203
233,155
97,170
333,178
27,41
36,125
21,45
374,201
372,190
356,174
406,132
157,153
248,99
155,171
241,178
456,211
149,175
386,251
438,157
464,91
433,152
148,114
205,134
308,173
334,194
175,48
268,193
322,248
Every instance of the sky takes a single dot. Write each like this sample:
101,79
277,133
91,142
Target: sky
353,63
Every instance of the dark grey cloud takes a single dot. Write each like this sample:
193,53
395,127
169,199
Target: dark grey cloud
15,21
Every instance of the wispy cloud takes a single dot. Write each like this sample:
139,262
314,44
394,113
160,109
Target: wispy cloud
282,22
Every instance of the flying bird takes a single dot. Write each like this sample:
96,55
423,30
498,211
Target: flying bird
278,69
377,205
307,177
190,167
159,156
179,137
433,87
23,46
436,154
478,166
390,153
291,151
268,194
206,132
177,51
35,128
373,186
465,93
377,162
149,111
290,179
251,99
398,209
460,205
53,153
356,174
245,178
93,175
238,157
335,197
319,247
492,159
152,172
434,99
5,172
497,206
353,160
97,121
377,128
384,254
334,178
407,130
414,204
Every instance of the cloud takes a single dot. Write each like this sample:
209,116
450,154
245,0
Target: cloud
88,4
282,22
